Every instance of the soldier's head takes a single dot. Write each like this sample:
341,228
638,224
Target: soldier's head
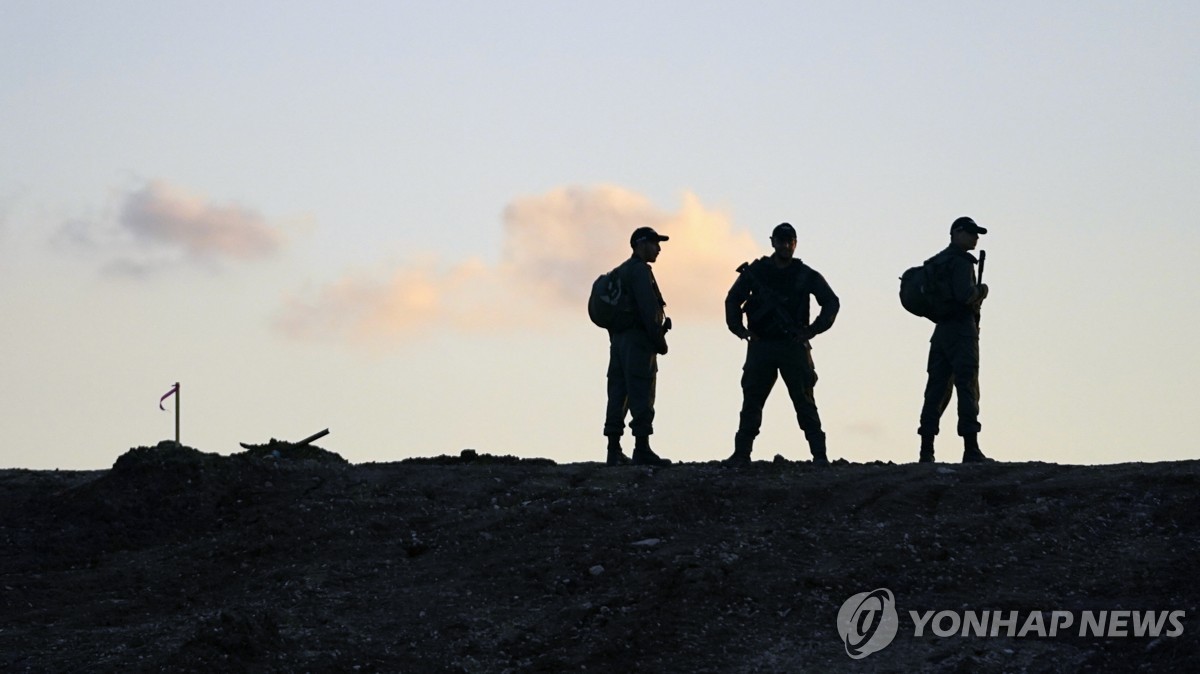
964,233
645,243
783,240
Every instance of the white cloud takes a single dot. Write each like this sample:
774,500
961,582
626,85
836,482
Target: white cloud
160,225
409,300
555,245
161,214
561,241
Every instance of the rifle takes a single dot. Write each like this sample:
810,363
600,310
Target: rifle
771,301
979,281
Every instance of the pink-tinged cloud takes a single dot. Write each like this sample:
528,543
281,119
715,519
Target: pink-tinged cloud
555,245
165,215
410,300
559,242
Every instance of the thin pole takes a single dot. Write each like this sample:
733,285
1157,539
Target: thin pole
177,397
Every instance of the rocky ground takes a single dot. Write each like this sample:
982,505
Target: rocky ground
285,558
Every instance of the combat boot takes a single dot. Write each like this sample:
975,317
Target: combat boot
971,451
927,449
644,456
616,457
742,446
816,444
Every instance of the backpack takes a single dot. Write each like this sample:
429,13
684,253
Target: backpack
925,290
610,306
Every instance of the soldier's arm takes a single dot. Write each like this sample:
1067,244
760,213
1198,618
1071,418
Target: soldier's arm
962,283
737,296
649,309
830,305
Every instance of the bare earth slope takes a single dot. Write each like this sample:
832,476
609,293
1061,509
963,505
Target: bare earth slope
190,561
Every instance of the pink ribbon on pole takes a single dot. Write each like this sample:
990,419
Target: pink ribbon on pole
168,394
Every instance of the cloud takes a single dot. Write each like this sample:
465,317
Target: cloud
411,299
559,242
163,215
160,225
555,246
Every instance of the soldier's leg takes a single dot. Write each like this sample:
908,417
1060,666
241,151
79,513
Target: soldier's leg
641,375
618,402
938,388
965,363
966,382
800,375
758,378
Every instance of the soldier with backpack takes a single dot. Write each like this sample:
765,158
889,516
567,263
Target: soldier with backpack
774,293
628,304
953,298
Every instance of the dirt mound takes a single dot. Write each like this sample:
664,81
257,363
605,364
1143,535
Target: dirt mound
473,457
190,561
163,494
290,451
167,456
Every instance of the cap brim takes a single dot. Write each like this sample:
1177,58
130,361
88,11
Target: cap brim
974,230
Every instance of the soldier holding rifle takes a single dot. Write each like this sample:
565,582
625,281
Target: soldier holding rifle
774,294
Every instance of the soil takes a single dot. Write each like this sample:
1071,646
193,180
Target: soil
288,558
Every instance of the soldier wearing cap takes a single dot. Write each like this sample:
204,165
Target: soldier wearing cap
633,355
954,348
774,294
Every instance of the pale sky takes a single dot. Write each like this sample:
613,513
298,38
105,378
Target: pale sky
382,218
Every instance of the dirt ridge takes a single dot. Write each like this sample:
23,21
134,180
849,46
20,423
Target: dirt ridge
270,560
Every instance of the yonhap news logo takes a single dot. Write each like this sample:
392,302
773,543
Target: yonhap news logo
868,622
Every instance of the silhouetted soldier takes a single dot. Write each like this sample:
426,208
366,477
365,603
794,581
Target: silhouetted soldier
954,347
774,294
633,355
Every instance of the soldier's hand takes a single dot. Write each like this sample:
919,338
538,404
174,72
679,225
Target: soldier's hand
983,291
662,348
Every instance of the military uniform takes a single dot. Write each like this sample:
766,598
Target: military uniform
633,354
780,346
954,349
